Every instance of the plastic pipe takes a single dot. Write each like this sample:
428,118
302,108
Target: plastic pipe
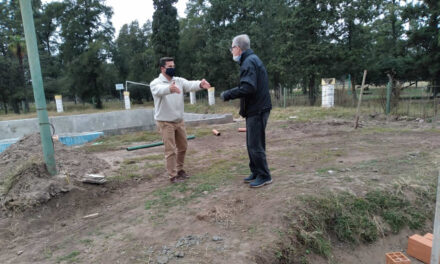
154,144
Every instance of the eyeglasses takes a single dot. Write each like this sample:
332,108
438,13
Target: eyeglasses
231,48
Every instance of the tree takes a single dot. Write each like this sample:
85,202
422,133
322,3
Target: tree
86,33
90,66
165,29
306,48
133,57
354,38
423,42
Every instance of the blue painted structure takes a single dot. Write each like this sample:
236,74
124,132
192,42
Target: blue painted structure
68,140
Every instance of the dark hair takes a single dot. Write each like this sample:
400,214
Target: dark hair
164,60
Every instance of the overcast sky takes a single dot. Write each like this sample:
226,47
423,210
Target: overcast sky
126,11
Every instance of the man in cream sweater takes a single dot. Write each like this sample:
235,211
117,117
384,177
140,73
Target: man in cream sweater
167,93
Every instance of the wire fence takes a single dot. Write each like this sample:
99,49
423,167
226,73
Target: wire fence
411,101
416,102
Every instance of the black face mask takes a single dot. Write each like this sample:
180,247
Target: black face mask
170,71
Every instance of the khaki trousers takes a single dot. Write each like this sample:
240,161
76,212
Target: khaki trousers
174,140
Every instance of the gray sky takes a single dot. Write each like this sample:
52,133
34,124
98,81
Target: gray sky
126,11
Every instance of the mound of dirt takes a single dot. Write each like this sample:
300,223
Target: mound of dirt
24,180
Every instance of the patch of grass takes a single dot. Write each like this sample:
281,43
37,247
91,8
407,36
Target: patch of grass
126,172
109,143
155,157
86,241
305,114
352,219
405,164
383,130
70,258
199,131
202,107
208,180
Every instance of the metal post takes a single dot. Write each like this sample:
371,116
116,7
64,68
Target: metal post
284,96
37,85
388,98
436,241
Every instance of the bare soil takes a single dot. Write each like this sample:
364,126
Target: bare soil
219,221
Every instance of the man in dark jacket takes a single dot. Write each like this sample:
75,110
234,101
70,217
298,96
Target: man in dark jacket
255,106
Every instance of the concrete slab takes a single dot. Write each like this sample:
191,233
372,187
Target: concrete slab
110,123
74,129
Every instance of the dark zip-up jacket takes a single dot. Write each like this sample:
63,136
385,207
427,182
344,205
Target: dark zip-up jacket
253,90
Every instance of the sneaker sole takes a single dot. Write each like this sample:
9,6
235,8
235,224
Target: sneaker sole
248,181
261,185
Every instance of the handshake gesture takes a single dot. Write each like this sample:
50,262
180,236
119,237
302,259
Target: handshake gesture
204,84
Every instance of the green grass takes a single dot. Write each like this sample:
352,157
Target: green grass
321,220
311,113
110,143
87,241
69,258
217,174
351,219
126,172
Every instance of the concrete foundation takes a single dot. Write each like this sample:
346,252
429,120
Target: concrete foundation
109,123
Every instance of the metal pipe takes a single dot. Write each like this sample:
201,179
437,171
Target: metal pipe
154,144
37,85
436,240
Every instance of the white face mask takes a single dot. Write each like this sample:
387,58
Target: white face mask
236,58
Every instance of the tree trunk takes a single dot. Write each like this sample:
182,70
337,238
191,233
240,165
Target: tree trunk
312,90
16,106
353,89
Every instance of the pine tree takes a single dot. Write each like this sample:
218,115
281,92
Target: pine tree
165,29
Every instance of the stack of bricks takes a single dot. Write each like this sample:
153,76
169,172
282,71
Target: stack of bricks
397,258
420,247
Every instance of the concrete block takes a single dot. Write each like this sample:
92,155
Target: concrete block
420,248
396,258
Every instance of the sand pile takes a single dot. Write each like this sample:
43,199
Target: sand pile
24,181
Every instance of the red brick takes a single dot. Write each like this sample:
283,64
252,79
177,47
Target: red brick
397,258
429,236
420,248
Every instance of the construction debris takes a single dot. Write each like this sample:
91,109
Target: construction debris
215,132
94,178
91,216
419,247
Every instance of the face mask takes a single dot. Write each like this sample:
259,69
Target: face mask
236,58
170,71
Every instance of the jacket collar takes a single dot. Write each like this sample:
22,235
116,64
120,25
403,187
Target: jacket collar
246,54
163,78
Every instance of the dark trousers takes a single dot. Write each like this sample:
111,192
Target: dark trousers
256,144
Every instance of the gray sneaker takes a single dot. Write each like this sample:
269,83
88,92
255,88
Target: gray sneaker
260,182
250,178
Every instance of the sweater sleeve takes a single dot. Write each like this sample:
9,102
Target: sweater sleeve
159,89
189,86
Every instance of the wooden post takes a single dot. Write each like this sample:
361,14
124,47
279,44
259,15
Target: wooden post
356,124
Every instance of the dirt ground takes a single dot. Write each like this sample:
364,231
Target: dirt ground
213,217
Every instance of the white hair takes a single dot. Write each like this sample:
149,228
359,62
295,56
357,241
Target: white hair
242,41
